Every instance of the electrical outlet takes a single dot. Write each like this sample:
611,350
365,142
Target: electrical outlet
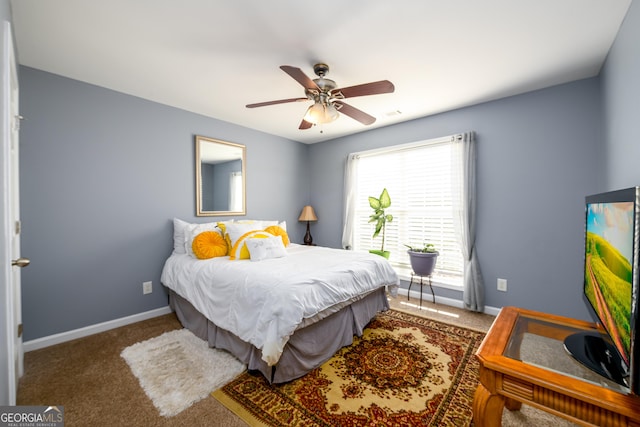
502,285
147,287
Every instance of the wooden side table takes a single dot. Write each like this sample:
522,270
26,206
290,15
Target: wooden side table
522,360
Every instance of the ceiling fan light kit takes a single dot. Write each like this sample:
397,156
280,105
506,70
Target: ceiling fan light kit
321,113
327,98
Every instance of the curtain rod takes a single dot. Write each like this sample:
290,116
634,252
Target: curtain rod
407,146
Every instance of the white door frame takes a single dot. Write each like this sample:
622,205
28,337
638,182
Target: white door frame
11,361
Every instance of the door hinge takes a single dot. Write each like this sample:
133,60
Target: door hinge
16,122
19,330
18,227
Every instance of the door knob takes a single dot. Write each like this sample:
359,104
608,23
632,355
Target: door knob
21,262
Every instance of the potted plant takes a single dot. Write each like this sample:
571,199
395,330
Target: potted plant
423,259
380,218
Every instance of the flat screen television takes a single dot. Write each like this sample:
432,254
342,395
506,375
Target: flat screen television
611,257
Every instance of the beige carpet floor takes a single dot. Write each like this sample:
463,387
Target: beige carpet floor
96,387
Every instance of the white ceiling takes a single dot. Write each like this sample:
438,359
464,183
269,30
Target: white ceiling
213,57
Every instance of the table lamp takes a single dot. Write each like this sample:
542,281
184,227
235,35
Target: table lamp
308,215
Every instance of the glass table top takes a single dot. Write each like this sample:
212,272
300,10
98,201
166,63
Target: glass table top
541,343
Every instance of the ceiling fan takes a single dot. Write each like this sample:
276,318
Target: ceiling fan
327,97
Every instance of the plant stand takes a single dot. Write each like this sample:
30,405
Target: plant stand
421,284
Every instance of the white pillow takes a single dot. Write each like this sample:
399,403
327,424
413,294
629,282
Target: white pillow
260,224
266,248
236,230
178,235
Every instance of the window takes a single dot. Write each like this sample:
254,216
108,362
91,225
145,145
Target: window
419,179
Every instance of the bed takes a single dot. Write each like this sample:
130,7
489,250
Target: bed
283,316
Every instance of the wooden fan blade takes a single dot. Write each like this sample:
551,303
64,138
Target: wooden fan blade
280,101
304,125
354,113
299,76
374,88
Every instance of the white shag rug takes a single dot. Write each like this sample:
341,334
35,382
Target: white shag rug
177,369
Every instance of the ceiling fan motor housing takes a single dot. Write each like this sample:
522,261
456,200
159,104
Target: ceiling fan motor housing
325,86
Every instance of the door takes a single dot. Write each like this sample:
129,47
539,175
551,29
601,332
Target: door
11,219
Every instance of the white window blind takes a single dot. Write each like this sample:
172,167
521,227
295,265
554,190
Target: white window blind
418,179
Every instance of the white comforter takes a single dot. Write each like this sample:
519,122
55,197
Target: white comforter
264,302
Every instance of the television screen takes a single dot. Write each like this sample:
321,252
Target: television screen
608,283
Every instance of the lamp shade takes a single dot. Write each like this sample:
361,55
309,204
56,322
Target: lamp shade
308,214
320,113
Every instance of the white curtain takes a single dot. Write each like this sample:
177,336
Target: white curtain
464,196
350,174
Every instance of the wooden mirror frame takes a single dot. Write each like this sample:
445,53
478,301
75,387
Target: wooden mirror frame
212,152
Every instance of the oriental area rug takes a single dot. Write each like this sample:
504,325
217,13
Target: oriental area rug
404,371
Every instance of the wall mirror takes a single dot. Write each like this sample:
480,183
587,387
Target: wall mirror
220,177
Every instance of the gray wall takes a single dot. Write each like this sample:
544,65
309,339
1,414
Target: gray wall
537,159
102,175
621,95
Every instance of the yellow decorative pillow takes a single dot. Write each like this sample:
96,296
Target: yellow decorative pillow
209,244
276,230
240,250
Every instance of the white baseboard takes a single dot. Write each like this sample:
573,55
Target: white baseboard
446,301
93,329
